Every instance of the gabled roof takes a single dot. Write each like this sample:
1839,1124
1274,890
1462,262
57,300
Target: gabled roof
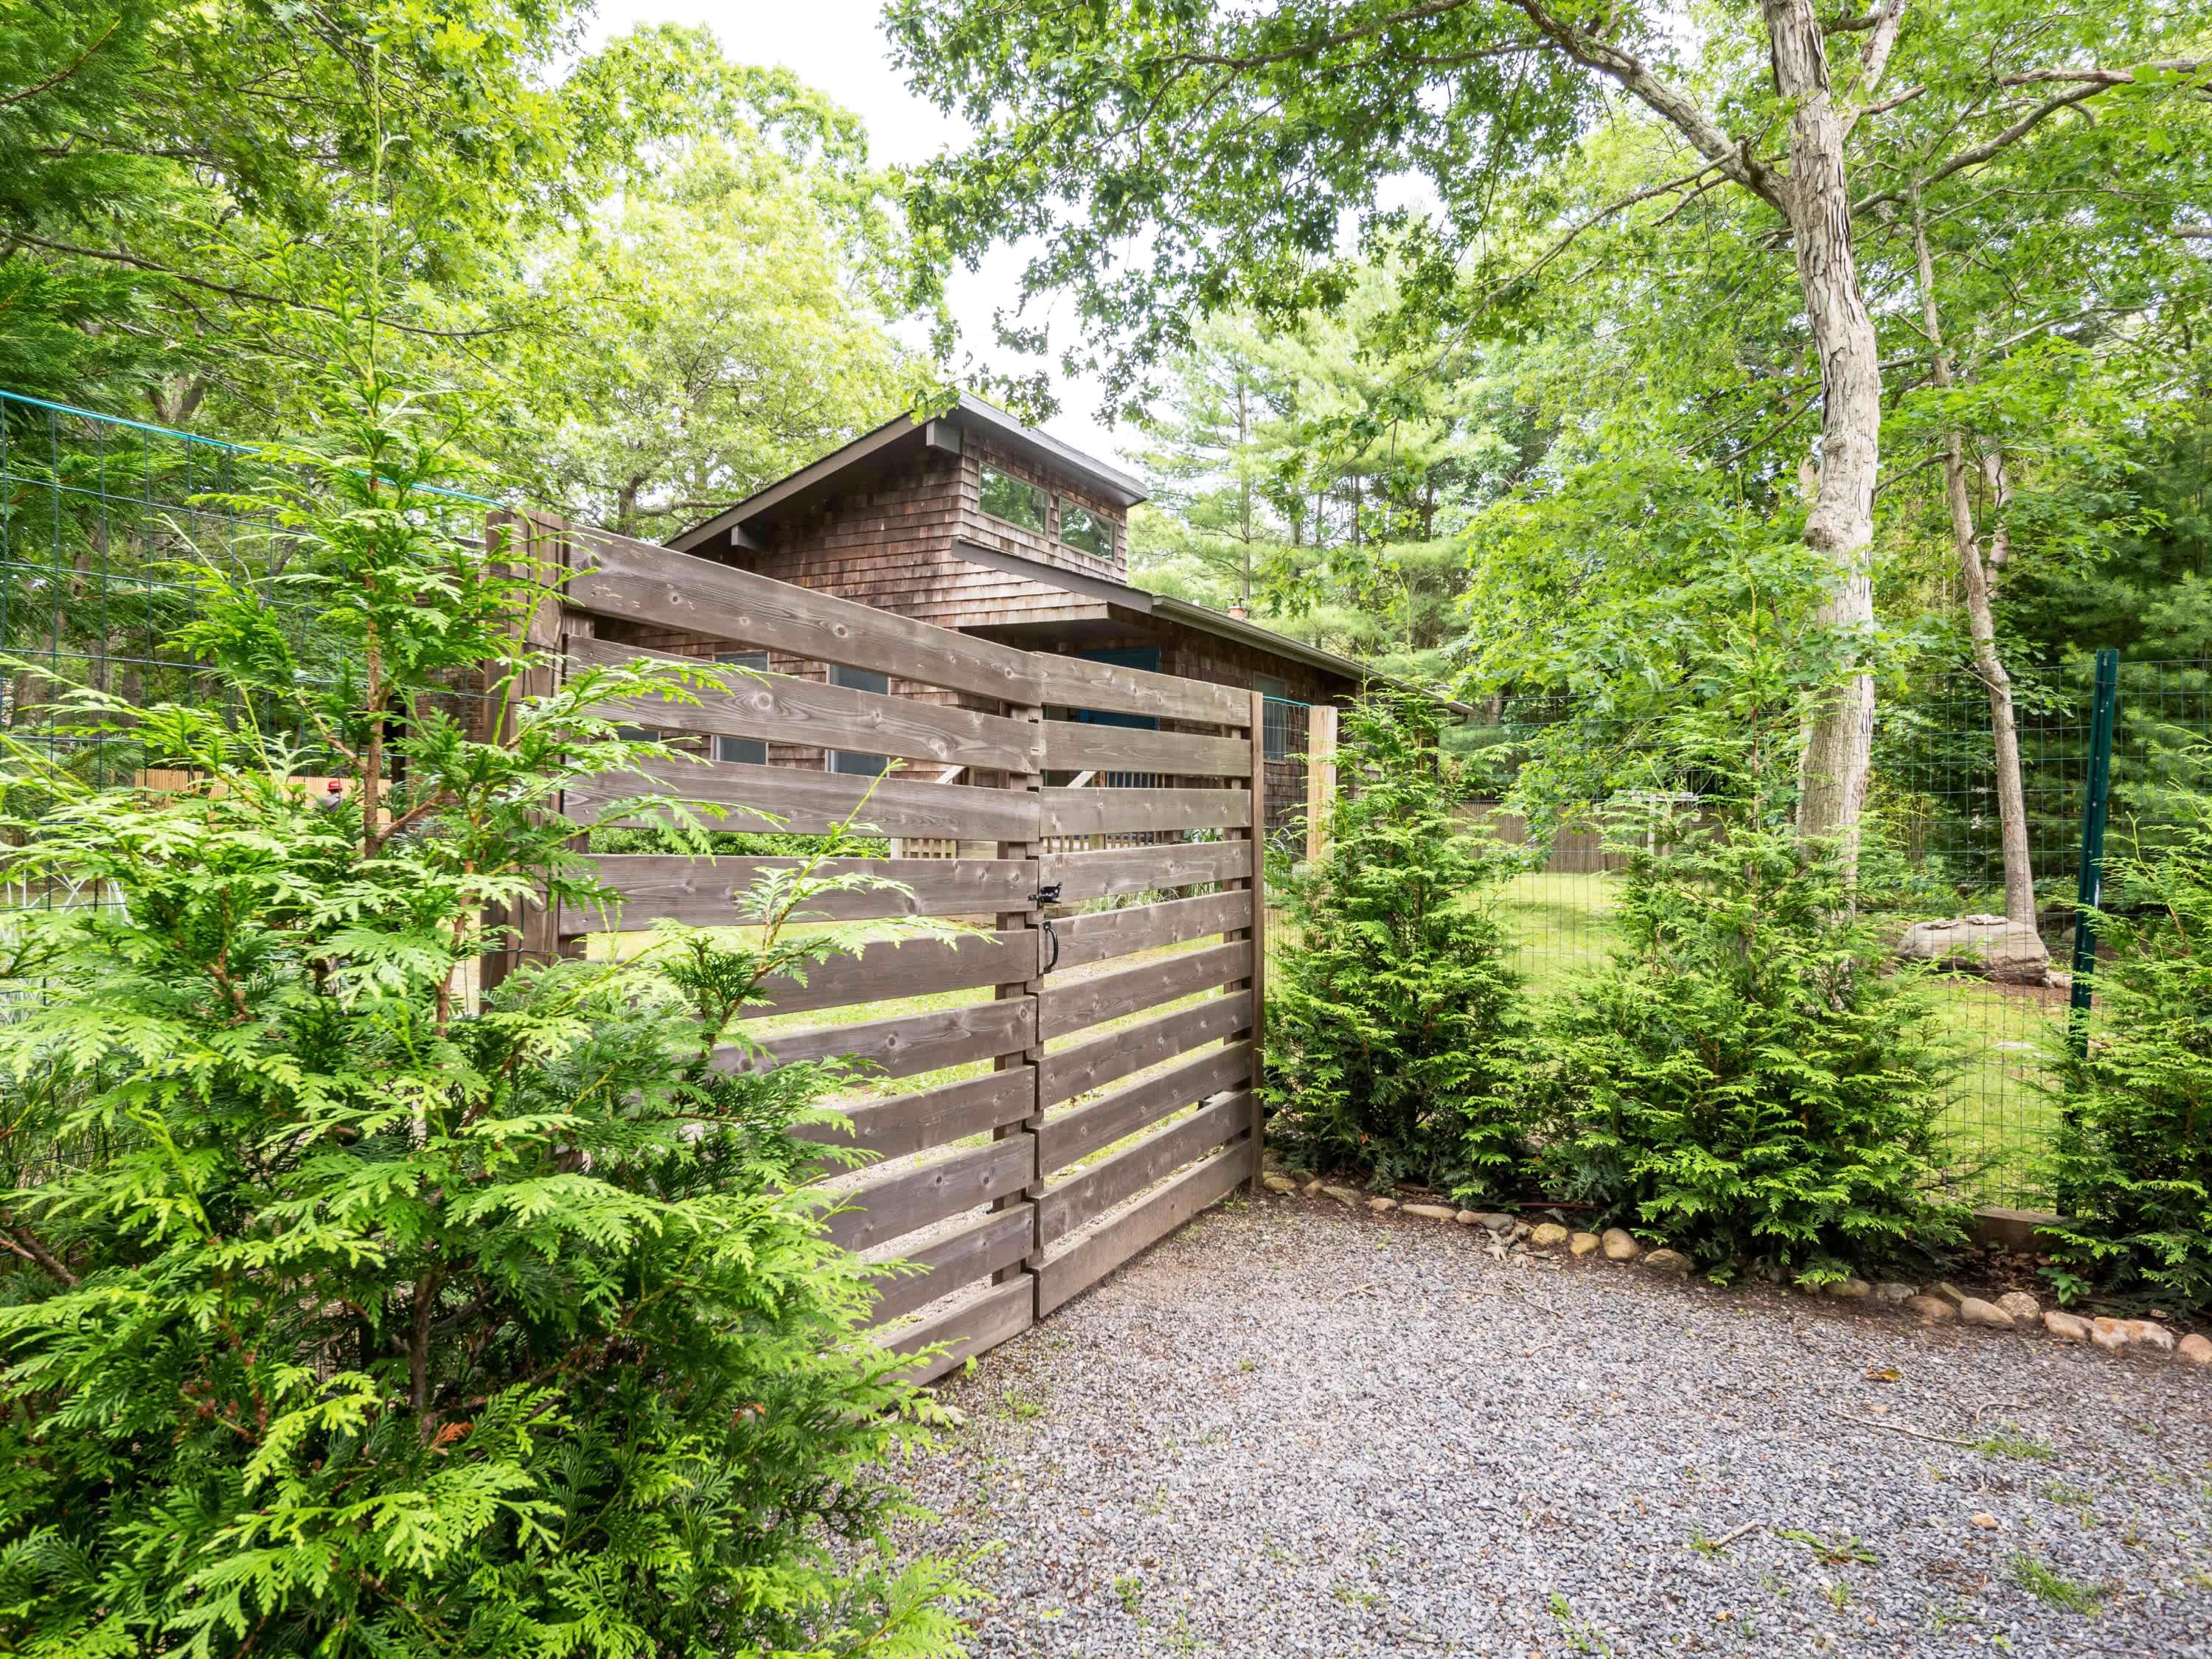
892,445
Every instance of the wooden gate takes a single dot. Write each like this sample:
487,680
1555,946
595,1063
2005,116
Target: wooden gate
1091,1086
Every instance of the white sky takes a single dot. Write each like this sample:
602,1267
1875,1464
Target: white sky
836,45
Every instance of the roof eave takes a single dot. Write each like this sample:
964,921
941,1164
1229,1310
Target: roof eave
1314,656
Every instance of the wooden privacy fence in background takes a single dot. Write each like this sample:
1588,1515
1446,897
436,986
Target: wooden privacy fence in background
1075,1078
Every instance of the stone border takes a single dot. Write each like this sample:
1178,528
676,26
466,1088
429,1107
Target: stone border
1940,1304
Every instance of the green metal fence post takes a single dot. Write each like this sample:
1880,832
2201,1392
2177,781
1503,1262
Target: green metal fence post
2089,891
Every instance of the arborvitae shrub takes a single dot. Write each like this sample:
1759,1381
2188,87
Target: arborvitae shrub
1391,1010
1749,1080
339,1316
2130,1167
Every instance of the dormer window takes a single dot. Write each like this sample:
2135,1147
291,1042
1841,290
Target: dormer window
1085,532
1016,501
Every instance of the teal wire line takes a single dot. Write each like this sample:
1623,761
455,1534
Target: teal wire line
106,419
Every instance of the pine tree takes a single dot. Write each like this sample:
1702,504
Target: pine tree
1749,1079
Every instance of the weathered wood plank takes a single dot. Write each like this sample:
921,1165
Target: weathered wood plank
1114,872
930,1117
639,582
1088,1257
884,972
698,892
1074,682
1066,1136
1068,1205
1109,812
998,1240
880,1211
1106,933
803,803
906,1046
1065,1008
781,710
971,1327
1080,746
1086,1065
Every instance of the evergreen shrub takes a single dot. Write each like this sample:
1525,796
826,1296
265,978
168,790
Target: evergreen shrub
1391,1007
346,1312
1749,1080
2130,1165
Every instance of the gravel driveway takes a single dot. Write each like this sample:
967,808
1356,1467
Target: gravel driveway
1294,1430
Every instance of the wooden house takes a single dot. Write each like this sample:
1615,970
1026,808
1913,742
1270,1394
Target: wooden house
972,521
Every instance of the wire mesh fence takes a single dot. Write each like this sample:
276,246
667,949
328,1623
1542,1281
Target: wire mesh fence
103,522
1934,851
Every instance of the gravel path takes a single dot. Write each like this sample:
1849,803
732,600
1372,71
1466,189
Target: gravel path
1292,1430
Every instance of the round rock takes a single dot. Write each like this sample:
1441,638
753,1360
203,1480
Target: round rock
2024,1308
2195,1348
1932,1310
1972,1310
1582,1243
1669,1261
1278,1183
1548,1236
1619,1245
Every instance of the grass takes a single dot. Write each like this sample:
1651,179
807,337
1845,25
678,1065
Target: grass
2031,1575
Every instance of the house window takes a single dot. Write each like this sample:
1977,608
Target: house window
1015,500
1277,715
1085,531
860,679
750,749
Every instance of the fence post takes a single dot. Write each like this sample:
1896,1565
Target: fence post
2089,889
535,546
1320,775
1259,934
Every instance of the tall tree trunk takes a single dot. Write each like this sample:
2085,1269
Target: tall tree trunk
1816,199
1980,579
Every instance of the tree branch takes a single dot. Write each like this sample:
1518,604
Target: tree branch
1343,37
64,73
2086,85
1607,211
26,1243
1677,108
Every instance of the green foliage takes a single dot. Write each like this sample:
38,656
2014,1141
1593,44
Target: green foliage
1747,1079
349,1310
2131,1169
1391,1013
1322,474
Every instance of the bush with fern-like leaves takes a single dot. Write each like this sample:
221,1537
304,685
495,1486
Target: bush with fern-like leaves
2131,1166
345,1313
1749,1080
1391,1010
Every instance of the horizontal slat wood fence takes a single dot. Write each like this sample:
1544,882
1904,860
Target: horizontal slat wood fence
1066,1078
